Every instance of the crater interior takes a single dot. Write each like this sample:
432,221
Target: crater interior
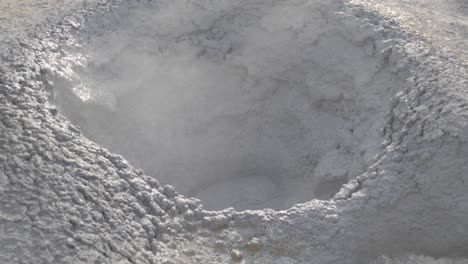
239,105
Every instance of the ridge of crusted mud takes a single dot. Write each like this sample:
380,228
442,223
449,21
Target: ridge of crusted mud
67,200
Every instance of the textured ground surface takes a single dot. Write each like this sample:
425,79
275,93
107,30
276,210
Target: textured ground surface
20,15
442,22
68,200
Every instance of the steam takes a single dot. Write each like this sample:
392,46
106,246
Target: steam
215,97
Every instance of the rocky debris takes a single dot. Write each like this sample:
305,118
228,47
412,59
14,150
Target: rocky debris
236,255
254,245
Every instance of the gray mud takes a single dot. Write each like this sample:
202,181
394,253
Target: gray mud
392,98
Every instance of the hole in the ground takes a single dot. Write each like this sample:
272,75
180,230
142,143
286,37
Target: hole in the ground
238,105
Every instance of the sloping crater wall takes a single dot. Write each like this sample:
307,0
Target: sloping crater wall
237,104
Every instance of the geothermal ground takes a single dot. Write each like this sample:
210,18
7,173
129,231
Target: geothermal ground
209,131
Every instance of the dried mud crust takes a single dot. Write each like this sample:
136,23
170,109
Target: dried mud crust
67,200
444,23
20,15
